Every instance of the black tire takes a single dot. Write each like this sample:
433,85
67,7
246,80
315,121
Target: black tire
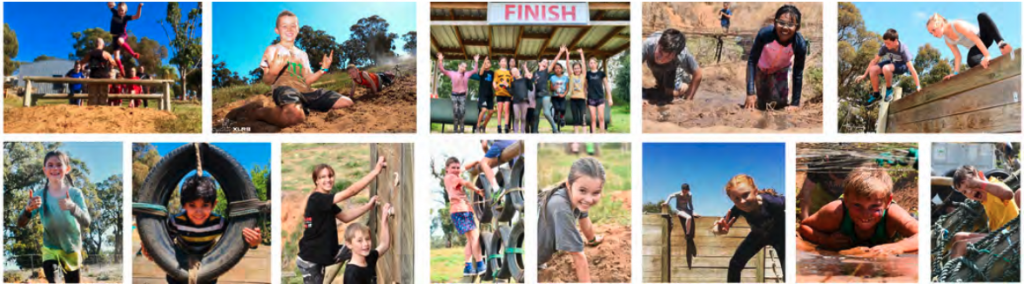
999,174
482,210
518,170
157,188
504,209
485,245
514,261
497,247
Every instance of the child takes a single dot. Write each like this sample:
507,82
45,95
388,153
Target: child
975,39
196,228
520,89
770,60
578,93
502,81
363,266
287,70
995,196
865,221
564,207
77,87
462,215
599,92
373,82
896,62
672,65
559,85
134,89
726,16
99,62
485,101
684,209
460,84
544,88
318,247
119,30
765,214
64,216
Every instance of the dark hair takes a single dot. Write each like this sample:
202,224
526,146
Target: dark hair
450,161
672,41
685,186
198,187
789,9
964,173
320,167
66,161
891,34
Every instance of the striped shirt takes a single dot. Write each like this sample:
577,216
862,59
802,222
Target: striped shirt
195,239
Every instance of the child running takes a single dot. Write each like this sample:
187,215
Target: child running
362,269
777,48
520,89
893,58
565,208
460,84
501,84
976,39
864,222
684,210
994,195
599,93
559,85
119,30
765,213
64,216
462,215
196,228
578,93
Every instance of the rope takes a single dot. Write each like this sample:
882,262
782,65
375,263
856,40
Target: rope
199,162
149,209
247,207
193,270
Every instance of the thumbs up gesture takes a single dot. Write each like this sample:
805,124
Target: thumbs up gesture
33,202
66,204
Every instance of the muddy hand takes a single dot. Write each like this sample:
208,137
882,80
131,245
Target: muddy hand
66,203
749,103
252,236
326,62
33,202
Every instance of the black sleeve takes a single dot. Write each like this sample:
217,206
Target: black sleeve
171,229
734,212
114,10
800,55
371,259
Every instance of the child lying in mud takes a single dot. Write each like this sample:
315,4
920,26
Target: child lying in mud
865,222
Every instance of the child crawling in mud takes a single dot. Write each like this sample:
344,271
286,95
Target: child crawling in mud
765,213
864,222
565,208
1000,202
777,49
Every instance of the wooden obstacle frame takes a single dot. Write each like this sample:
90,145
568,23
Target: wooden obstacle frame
164,100
397,265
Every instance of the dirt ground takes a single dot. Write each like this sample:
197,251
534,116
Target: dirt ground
253,268
716,107
393,110
608,263
82,119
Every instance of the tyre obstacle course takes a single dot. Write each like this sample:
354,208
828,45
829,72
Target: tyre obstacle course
500,212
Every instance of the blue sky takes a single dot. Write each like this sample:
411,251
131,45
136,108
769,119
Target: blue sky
707,168
45,28
242,30
248,155
102,158
909,20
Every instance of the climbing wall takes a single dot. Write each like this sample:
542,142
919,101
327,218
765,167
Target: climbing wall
395,266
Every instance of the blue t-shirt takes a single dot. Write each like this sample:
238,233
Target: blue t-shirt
725,20
900,56
60,229
78,75
559,83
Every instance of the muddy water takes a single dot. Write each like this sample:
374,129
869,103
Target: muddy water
817,268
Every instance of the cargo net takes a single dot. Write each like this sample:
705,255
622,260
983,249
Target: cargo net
996,258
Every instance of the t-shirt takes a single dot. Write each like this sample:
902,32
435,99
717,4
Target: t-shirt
294,74
521,90
576,90
60,229
195,239
559,83
355,274
668,75
319,240
486,89
503,77
557,231
457,200
595,85
460,80
79,75
540,79
770,220
725,20
999,211
119,24
900,56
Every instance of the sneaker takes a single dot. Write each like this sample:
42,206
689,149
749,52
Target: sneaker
481,267
499,129
872,98
888,95
469,271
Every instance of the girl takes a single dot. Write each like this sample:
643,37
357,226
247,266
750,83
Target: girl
765,213
64,215
512,112
460,84
975,39
769,63
559,83
521,91
599,92
119,30
462,215
546,90
577,93
502,81
684,209
485,102
560,210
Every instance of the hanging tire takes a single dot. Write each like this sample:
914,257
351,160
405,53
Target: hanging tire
485,245
518,170
482,204
514,259
496,252
998,174
157,188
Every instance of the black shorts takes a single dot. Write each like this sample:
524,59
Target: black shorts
898,69
503,99
485,102
318,100
114,44
595,102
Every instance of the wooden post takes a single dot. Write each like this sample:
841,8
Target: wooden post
28,93
167,97
759,258
883,111
666,249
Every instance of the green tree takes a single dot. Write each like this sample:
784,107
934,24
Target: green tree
222,76
43,57
10,50
186,45
621,81
373,32
410,43
151,53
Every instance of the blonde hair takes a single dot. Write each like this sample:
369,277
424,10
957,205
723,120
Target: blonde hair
933,18
351,67
744,179
868,180
350,232
283,14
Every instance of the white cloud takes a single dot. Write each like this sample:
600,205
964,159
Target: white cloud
921,15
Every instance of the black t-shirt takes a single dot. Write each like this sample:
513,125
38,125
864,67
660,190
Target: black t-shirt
595,85
541,79
358,274
771,218
486,89
319,240
118,24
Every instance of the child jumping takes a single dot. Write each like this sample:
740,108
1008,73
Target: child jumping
460,85
565,208
599,93
462,215
196,228
559,85
995,196
865,221
485,100
776,49
684,210
765,213
520,89
362,269
119,30
893,58
501,84
64,216
976,39
577,92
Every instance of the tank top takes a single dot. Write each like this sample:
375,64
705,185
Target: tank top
879,237
961,39
775,57
98,66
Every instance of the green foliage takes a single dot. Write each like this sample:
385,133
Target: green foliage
378,43
186,45
410,43
620,93
222,77
10,50
43,57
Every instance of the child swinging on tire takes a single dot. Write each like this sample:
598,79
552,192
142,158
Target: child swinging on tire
563,209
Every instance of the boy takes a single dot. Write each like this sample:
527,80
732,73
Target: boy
995,196
726,16
666,55
363,266
896,61
462,216
865,222
374,82
196,228
75,88
485,102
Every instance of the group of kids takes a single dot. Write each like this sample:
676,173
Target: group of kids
79,72
528,94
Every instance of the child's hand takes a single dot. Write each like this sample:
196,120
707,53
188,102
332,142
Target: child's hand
386,212
33,202
66,203
723,224
326,62
751,101
984,62
252,237
381,164
836,240
278,62
373,200
950,76
440,56
858,79
140,4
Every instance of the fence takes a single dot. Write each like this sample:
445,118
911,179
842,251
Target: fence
33,94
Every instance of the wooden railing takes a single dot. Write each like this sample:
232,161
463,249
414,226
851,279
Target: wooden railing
164,99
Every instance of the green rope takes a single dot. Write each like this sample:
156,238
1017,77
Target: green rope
514,250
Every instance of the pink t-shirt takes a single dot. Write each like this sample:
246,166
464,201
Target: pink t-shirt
456,196
775,57
460,81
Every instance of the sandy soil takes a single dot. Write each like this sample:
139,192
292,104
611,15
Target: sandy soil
78,119
393,110
608,263
253,268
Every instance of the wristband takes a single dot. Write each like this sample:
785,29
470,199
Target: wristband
956,73
323,69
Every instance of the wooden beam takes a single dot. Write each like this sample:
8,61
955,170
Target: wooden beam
476,43
544,46
38,79
986,97
458,5
1001,68
1002,119
490,44
599,16
519,42
458,38
536,36
608,37
609,6
575,41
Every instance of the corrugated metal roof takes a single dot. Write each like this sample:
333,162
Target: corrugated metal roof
613,44
563,36
474,50
46,68
474,33
504,37
595,35
538,29
530,47
616,15
444,36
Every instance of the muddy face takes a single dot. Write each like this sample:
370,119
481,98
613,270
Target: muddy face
661,57
866,211
586,192
785,27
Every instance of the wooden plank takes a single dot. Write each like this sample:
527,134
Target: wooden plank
99,81
883,110
698,262
666,249
397,265
57,96
998,69
989,96
608,37
609,6
1002,119
28,93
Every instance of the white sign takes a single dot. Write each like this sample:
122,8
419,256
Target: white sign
538,13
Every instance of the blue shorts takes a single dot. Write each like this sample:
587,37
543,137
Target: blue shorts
463,222
494,151
898,69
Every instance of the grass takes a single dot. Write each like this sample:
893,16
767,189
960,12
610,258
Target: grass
446,265
189,114
618,177
619,113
